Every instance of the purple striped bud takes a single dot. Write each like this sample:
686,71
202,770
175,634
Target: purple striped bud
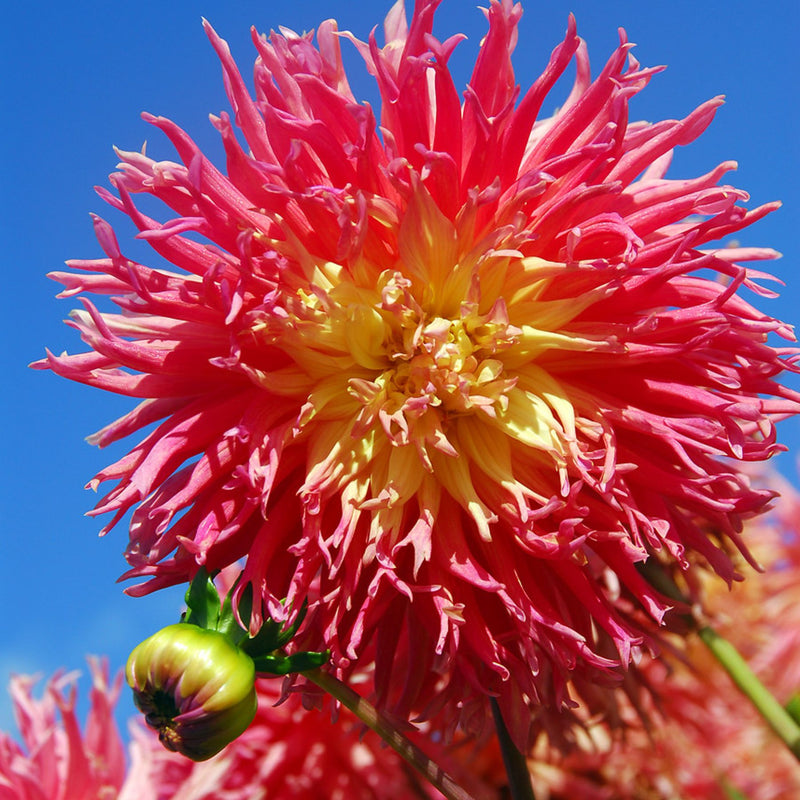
195,687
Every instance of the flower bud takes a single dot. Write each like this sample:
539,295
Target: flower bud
195,687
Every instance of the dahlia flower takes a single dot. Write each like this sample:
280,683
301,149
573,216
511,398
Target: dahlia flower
288,753
451,373
56,760
708,743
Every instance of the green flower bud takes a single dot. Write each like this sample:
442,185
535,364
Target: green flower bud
195,687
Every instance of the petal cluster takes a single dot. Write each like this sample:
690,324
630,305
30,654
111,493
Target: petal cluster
288,753
450,373
709,743
55,759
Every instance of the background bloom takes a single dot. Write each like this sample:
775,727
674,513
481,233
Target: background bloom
288,753
708,743
464,374
55,759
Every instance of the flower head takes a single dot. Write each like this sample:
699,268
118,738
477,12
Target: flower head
709,742
56,759
288,753
451,378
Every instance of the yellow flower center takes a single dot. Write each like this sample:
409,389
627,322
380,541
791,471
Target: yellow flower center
424,364
425,377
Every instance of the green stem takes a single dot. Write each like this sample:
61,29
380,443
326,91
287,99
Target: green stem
731,792
519,779
765,703
773,713
386,729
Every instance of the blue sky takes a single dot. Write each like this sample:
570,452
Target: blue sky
77,75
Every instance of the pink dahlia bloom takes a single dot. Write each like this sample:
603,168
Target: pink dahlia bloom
55,760
707,742
288,753
451,373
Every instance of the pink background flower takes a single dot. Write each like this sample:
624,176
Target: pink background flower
55,758
704,734
288,753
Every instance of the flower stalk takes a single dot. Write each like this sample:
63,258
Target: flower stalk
773,713
387,730
778,718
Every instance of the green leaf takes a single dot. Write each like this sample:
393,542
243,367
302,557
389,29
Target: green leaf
297,662
265,641
228,623
270,637
202,602
305,660
273,665
286,636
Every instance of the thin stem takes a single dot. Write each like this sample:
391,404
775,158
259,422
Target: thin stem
731,792
764,701
773,713
384,727
519,779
